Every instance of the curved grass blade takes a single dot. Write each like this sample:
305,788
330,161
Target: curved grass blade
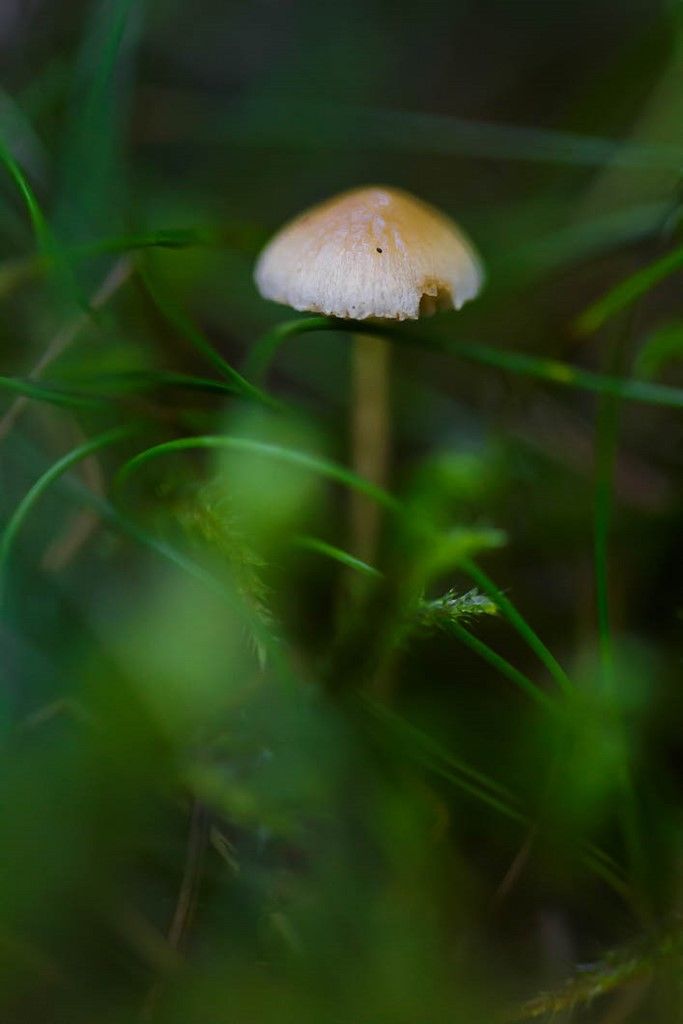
628,291
135,381
317,464
40,226
551,370
113,386
50,394
186,328
266,348
17,129
46,244
18,517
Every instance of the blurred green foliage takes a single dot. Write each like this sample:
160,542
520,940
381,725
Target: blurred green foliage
246,776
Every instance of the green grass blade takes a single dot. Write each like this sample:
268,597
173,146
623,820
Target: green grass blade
265,349
18,517
553,371
181,323
136,381
48,252
317,464
519,622
500,664
40,226
103,388
52,395
17,129
321,547
629,290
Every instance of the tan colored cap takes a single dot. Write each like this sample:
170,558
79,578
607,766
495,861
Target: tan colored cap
373,252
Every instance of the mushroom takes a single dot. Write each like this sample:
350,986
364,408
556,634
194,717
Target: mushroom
375,253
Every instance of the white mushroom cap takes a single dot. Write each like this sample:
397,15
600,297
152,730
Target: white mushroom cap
372,252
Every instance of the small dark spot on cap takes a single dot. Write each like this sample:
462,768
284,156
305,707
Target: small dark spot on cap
378,249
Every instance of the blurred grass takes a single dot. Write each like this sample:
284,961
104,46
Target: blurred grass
246,776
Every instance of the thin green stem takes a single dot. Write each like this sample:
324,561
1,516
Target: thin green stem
519,622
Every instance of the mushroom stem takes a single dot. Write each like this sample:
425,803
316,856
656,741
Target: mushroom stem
370,436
